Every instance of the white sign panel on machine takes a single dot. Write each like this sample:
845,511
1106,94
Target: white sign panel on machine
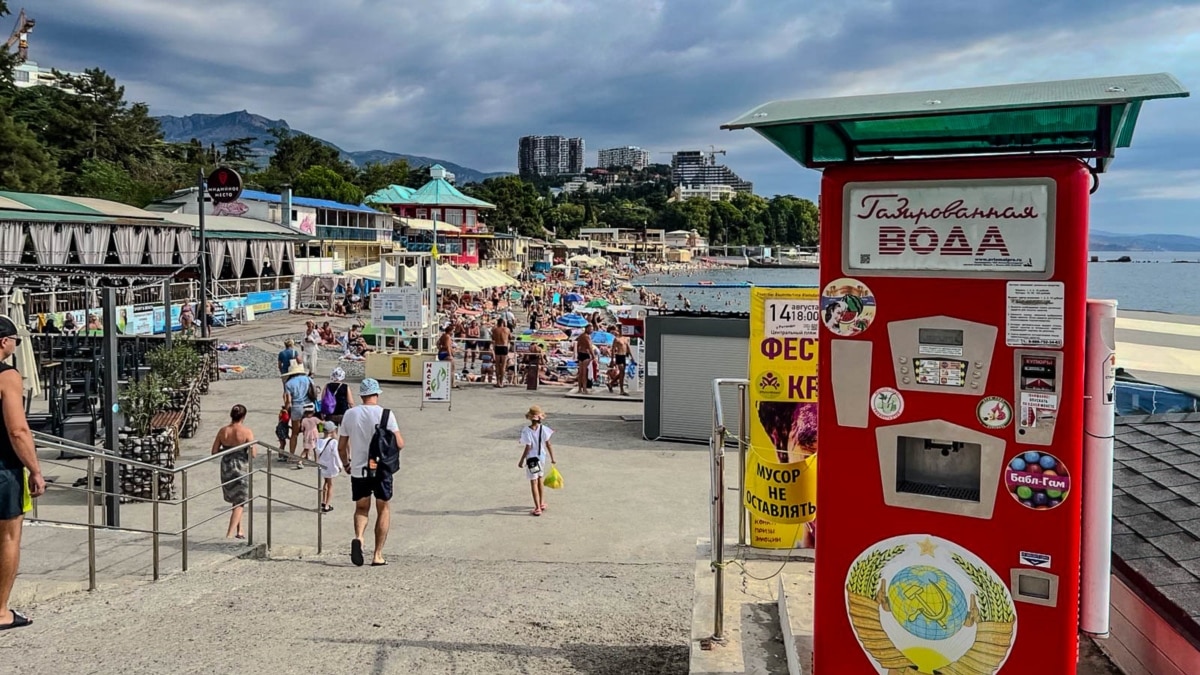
960,226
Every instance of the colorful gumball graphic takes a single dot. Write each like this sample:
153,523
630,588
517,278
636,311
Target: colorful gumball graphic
1037,480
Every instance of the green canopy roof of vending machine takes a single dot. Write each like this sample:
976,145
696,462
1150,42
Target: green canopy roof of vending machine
1087,118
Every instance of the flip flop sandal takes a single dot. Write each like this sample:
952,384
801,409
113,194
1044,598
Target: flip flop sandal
378,564
535,512
19,620
542,507
356,553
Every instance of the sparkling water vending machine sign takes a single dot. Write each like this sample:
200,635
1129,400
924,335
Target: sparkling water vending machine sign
959,226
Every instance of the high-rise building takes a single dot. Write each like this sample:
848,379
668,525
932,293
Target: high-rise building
695,168
549,155
575,155
630,155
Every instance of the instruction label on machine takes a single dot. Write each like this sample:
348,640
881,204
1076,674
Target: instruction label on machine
1035,314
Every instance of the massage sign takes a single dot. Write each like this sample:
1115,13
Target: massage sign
781,465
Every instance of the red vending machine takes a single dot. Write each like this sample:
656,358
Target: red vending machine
953,303
951,376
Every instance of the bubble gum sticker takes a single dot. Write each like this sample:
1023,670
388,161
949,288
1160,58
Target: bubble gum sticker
1037,480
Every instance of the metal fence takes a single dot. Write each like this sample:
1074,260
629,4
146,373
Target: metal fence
260,476
717,443
84,299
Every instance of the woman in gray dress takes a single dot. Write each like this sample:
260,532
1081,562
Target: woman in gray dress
235,466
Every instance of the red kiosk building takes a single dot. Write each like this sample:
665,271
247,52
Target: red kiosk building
954,229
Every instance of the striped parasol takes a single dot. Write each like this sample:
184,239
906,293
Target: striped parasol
549,334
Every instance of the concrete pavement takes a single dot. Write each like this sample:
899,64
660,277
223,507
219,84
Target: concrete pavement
1160,348
601,583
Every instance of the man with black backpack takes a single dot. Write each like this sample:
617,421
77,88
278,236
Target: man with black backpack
369,444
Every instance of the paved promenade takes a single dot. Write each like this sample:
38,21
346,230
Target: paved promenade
601,583
1160,348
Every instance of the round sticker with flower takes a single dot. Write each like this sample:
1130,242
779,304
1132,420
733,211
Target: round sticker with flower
887,403
994,412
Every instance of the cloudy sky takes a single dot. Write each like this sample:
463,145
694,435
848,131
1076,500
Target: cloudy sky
463,80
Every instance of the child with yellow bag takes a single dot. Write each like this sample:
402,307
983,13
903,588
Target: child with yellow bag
535,440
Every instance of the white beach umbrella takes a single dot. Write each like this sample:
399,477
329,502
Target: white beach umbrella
25,360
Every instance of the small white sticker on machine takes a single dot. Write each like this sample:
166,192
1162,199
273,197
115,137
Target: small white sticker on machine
1038,410
1035,314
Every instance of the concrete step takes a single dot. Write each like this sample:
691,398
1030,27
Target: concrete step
796,618
754,634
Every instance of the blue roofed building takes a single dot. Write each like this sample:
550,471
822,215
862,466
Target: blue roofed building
355,234
438,211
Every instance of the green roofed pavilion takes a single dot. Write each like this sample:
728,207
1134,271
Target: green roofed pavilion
437,192
1087,118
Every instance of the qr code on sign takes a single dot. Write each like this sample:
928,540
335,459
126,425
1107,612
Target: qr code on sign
864,258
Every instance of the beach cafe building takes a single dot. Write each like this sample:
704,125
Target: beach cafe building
61,249
437,211
354,234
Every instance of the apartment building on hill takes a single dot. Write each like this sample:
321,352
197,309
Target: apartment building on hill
696,168
549,155
630,156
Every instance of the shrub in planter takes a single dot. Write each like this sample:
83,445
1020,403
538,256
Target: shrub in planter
141,400
178,366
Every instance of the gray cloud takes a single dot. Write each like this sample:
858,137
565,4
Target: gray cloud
463,80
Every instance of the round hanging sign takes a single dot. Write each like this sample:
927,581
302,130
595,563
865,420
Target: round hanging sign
224,185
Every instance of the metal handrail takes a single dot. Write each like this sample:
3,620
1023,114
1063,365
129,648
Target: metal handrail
717,443
92,454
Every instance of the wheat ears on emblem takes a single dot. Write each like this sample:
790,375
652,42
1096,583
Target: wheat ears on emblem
992,614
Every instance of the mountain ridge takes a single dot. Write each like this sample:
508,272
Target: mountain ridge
1110,241
218,128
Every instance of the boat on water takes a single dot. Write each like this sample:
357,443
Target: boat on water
799,262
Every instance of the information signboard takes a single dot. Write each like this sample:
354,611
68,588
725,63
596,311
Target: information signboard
397,308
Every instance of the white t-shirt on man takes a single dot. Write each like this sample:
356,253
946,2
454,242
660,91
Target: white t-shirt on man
358,424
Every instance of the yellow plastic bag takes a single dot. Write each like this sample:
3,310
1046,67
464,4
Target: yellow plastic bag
554,479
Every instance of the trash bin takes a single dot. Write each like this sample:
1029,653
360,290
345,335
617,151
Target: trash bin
531,376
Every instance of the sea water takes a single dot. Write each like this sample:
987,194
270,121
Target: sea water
1154,281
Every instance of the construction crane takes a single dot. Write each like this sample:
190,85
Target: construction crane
20,36
711,154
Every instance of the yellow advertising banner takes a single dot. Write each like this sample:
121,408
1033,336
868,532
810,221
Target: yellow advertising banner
781,467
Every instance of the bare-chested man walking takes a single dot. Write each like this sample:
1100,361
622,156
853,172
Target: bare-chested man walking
620,356
501,343
583,359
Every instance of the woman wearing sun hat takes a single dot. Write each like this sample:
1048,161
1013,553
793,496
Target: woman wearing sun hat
343,398
536,449
298,391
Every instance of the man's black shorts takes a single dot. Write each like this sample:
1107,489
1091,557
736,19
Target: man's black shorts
380,487
12,493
